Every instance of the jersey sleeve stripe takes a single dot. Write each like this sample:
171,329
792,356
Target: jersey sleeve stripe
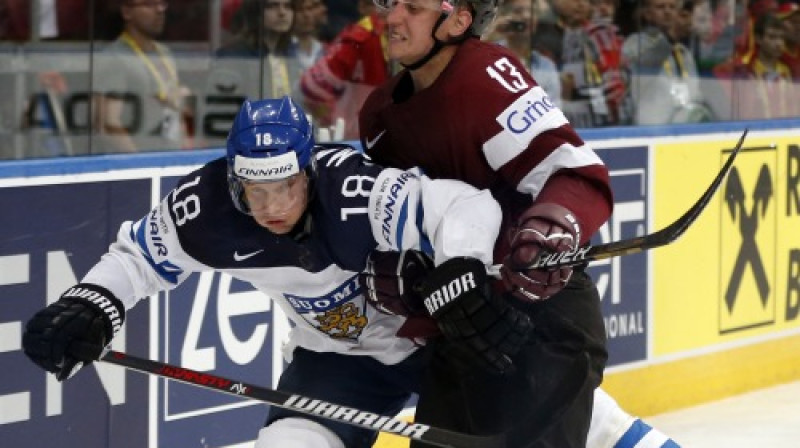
165,269
565,156
424,241
402,219
502,148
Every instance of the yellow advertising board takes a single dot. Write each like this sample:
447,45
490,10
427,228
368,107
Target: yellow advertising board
735,274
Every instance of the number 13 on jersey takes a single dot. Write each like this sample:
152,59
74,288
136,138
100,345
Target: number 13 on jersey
508,75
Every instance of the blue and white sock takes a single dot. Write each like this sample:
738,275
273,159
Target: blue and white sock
612,427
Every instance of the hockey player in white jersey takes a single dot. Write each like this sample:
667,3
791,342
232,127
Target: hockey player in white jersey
298,222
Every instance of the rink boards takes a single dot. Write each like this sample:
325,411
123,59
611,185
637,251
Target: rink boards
712,314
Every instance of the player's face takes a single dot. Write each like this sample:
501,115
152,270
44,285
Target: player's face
277,205
408,28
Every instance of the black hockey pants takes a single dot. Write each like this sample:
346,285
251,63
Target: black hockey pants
568,325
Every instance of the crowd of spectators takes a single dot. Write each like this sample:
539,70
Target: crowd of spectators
604,62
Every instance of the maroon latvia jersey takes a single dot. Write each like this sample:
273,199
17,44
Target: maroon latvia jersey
485,121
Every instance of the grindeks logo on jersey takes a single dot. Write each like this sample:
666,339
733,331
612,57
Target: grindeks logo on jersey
355,416
531,114
519,121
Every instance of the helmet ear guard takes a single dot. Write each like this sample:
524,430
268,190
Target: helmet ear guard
483,14
269,140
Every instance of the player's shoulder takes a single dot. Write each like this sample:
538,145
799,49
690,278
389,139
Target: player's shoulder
336,155
488,70
213,170
477,55
495,79
201,201
336,162
207,186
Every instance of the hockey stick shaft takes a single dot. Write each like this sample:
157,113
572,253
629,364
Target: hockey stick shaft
641,243
343,414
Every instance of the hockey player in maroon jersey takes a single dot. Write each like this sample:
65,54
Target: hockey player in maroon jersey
469,110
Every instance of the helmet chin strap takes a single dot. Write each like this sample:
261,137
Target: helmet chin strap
437,44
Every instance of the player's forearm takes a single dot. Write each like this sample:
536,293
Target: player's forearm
146,258
585,193
460,220
410,211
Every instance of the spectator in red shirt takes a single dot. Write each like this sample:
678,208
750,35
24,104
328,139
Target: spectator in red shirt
336,86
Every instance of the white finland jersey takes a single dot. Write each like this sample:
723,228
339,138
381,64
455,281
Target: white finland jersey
356,207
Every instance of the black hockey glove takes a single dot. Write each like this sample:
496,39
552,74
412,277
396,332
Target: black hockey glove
480,327
74,330
542,228
392,281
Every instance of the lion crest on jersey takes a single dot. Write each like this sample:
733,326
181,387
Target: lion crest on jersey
340,314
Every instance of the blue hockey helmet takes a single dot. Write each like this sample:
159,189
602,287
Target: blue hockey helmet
269,140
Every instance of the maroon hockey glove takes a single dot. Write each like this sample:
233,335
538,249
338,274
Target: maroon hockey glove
480,327
548,228
391,281
74,330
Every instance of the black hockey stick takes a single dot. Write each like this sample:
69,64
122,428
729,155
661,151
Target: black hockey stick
533,426
641,243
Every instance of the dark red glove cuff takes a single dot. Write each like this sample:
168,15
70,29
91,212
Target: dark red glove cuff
554,213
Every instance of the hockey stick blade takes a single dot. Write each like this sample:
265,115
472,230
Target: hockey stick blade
641,243
343,414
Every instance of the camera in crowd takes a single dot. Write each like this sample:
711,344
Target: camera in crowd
514,26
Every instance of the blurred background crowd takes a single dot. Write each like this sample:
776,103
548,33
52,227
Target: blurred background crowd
106,76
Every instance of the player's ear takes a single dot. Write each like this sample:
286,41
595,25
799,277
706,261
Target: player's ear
460,21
